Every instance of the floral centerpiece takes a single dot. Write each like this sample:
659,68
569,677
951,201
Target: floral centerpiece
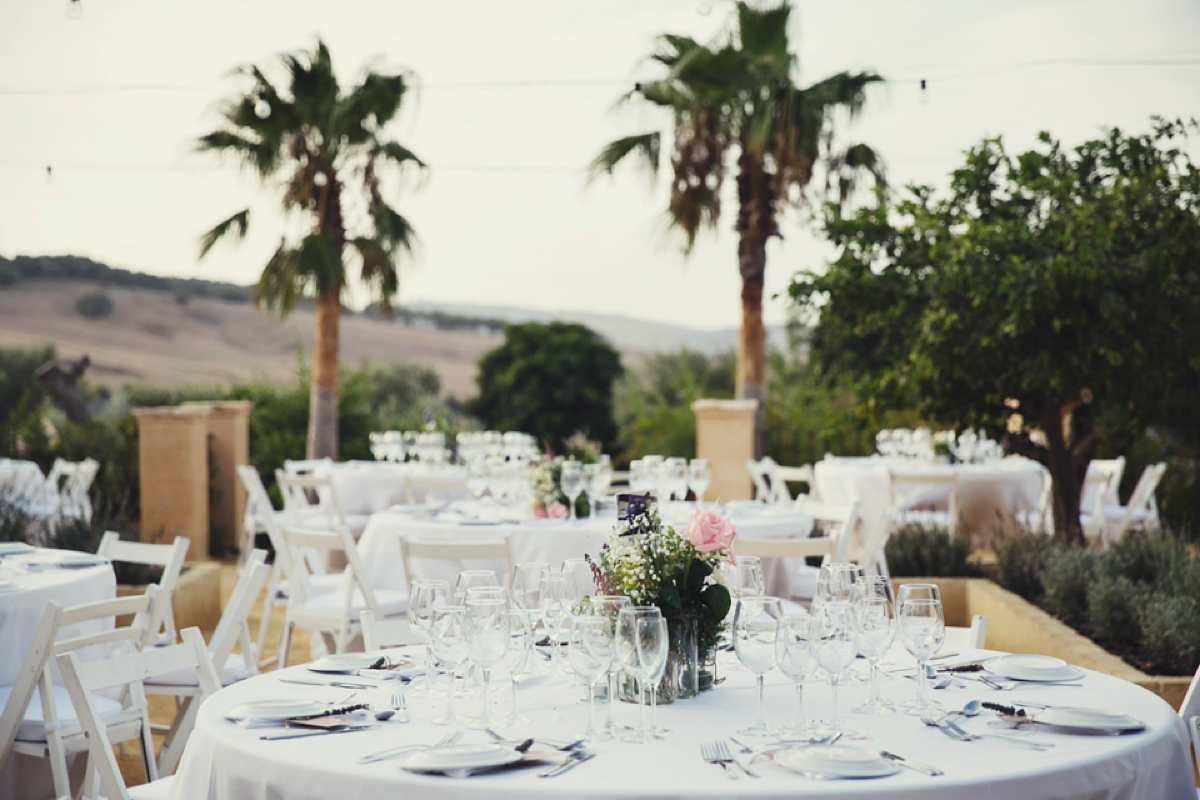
653,564
545,481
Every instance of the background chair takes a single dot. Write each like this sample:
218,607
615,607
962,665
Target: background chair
168,556
972,637
1141,513
424,489
908,504
311,501
768,487
480,549
258,509
129,672
379,634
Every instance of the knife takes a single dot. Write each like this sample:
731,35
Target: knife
575,759
339,684
915,765
303,734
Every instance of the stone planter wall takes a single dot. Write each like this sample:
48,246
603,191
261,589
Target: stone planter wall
197,597
1017,626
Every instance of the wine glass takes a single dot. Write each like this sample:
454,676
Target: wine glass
794,657
922,629
747,577
590,653
478,478
579,572
601,478
486,629
657,670
609,606
653,473
470,579
640,479
638,639
557,595
589,480
450,646
835,582
755,631
526,589
423,598
516,656
835,648
875,614
675,478
699,477
571,481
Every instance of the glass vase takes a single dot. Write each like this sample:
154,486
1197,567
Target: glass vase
683,678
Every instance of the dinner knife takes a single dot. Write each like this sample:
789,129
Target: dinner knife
339,684
575,759
914,765
304,734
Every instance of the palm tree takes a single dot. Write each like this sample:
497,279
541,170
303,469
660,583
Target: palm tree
315,142
736,102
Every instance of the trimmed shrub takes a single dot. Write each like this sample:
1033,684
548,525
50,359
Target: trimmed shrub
1112,611
1065,581
1171,633
1019,564
915,551
94,305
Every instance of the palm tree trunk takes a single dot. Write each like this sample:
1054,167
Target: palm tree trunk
323,399
751,376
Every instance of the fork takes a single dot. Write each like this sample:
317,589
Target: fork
970,737
723,751
400,705
957,735
710,753
382,755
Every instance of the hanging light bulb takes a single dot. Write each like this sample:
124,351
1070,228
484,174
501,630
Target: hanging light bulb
262,109
74,9
320,179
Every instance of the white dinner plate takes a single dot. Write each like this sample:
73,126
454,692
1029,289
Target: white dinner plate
14,548
1043,669
836,760
461,757
344,662
276,710
1089,719
477,521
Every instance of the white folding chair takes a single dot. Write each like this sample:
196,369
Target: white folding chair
908,505
803,474
493,549
233,629
1114,468
836,523
1189,711
129,672
258,510
768,488
379,634
74,502
311,501
972,637
168,556
423,488
1140,513
41,724
305,467
334,615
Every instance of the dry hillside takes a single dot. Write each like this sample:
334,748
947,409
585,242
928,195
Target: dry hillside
152,339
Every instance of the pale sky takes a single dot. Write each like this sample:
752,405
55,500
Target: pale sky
126,190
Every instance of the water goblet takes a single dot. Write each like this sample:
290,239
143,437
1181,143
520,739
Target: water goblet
579,572
571,481
516,656
835,582
601,478
557,596
794,657
675,478
609,606
657,670
486,630
423,598
470,579
699,477
755,631
450,646
638,639
922,629
834,649
875,614
590,653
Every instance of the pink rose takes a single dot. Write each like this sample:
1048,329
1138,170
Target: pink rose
557,511
710,531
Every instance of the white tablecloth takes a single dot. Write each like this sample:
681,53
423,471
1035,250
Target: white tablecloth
364,487
553,541
989,494
224,761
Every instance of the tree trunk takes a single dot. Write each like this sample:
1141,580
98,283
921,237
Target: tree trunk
323,399
751,376
1067,470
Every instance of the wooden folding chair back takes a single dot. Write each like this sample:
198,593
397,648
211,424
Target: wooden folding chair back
494,549
379,634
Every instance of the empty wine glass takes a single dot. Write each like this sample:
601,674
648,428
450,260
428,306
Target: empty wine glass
486,629
675,478
835,648
571,481
657,670
875,614
601,479
590,653
450,646
557,595
589,480
922,629
640,479
470,579
527,589
747,577
653,467
699,477
835,582
579,572
423,598
516,656
794,657
609,606
638,640
755,631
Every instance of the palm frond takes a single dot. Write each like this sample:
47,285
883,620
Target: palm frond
236,224
400,155
319,260
846,91
377,97
280,283
256,154
762,34
378,269
393,231
644,146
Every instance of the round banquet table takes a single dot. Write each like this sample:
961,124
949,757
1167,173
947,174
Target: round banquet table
988,493
364,487
553,541
226,761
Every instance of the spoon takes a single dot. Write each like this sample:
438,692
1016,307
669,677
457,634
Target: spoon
971,709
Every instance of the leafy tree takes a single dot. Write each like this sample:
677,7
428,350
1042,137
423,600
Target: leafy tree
736,103
1063,285
550,381
22,399
319,138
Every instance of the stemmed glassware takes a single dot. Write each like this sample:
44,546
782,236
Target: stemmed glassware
579,572
589,480
755,631
652,465
516,656
658,669
571,481
590,652
794,657
699,477
608,606
875,614
675,478
486,631
835,582
450,646
423,598
557,595
478,478
922,630
601,479
835,648
472,579
640,636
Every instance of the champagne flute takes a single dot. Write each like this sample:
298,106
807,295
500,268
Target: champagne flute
423,598
450,646
835,649
637,641
922,629
557,595
571,481
755,631
876,616
609,606
486,629
590,653
516,656
794,656
699,477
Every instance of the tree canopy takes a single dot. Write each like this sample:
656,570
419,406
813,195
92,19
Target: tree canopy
551,381
1061,284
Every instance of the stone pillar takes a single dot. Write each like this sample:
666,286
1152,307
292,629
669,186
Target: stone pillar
173,462
229,447
725,436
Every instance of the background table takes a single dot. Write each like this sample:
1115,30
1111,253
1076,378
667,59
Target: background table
365,487
224,761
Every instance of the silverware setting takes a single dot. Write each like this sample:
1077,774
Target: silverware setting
953,730
393,752
557,744
575,758
717,752
339,684
916,766
295,734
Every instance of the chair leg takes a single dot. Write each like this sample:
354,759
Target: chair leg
285,644
177,736
58,765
